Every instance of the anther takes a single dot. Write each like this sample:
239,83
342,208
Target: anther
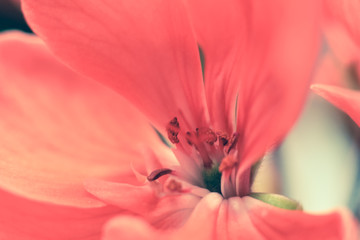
173,129
158,173
232,142
206,135
223,138
174,186
227,163
189,138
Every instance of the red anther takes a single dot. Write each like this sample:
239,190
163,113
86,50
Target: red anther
232,143
173,129
174,122
223,137
189,138
158,173
174,186
206,135
227,163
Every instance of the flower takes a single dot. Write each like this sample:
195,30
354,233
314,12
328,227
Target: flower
221,122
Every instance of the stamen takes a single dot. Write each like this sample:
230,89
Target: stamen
227,162
205,158
223,137
232,143
206,135
158,173
190,138
173,129
174,186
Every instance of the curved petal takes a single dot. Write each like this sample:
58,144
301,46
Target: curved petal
58,128
345,12
341,43
276,223
222,30
136,199
282,50
144,50
242,218
163,212
129,228
24,219
329,72
199,226
345,99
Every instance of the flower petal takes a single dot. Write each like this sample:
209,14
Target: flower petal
144,50
341,43
222,29
163,212
241,218
283,48
199,226
345,12
24,219
129,228
136,199
345,99
58,128
276,223
330,72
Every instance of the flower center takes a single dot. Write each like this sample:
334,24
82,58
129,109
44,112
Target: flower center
212,179
212,151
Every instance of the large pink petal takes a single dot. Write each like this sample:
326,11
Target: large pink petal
241,218
144,50
222,29
24,219
58,129
346,13
345,99
282,49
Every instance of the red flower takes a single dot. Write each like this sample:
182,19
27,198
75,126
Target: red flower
258,58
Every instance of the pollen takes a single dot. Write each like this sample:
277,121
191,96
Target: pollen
223,138
206,135
232,142
174,186
212,147
228,162
173,129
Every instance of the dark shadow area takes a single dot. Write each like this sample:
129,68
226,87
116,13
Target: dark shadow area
11,17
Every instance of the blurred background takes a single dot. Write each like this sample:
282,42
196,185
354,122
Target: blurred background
318,163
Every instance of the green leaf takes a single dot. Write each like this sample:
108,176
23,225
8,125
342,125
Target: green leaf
277,200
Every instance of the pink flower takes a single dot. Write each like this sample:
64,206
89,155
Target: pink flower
221,123
342,30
